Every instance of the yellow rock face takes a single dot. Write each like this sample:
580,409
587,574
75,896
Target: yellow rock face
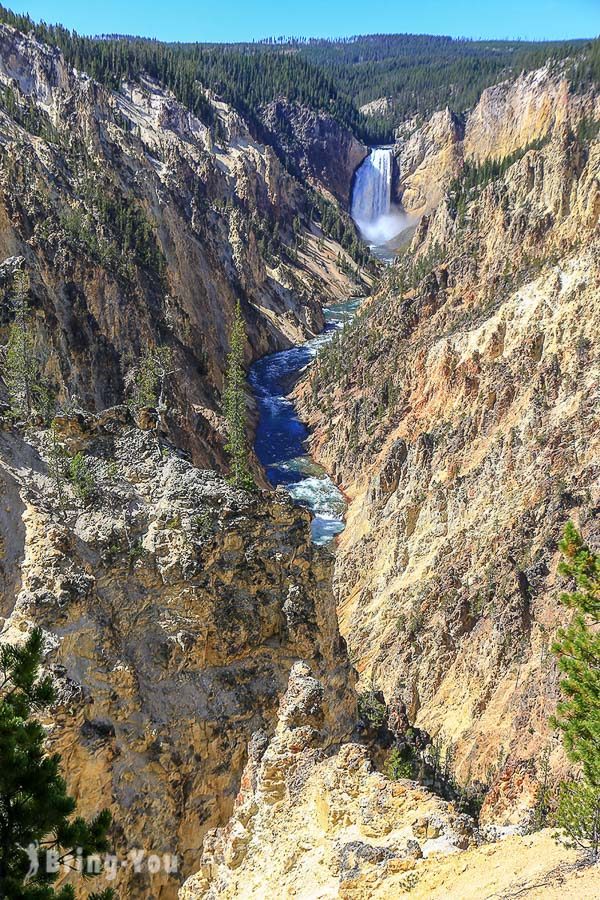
316,822
508,117
463,421
173,608
312,823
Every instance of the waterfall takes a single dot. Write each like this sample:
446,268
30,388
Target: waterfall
371,206
372,187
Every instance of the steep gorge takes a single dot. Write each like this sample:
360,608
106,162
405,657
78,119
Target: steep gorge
206,695
204,220
459,412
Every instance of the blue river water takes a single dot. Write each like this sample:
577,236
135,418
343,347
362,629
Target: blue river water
281,437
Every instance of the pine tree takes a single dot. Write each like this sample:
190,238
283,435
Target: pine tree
235,405
578,815
578,715
35,808
57,466
20,367
150,378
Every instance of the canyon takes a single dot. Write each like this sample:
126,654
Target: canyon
213,648
459,413
203,208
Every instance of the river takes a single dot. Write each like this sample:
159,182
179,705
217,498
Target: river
280,442
281,437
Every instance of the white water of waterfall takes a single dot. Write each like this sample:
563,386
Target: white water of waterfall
371,208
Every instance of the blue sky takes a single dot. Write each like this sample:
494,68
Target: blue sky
234,20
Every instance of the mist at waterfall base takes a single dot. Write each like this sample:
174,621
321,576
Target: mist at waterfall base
384,228
377,218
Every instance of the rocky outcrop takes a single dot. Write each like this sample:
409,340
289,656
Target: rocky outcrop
378,107
513,114
311,814
509,117
426,160
140,226
173,609
461,419
321,149
319,819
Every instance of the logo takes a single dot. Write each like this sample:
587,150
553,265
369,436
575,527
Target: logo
108,864
34,860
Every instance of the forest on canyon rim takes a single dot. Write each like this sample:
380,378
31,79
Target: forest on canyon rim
299,467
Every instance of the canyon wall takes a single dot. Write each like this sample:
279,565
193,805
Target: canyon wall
508,117
321,149
173,608
141,226
460,414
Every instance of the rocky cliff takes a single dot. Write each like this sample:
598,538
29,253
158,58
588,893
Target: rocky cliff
509,116
322,820
313,821
460,414
322,150
173,609
140,226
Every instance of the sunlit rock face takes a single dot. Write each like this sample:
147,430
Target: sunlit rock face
462,420
508,117
318,815
173,609
314,813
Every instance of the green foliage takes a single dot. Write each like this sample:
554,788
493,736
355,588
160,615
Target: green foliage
475,176
57,465
135,551
20,366
371,709
34,803
21,371
408,882
27,113
578,650
399,764
75,470
422,73
81,477
112,227
587,130
470,797
234,402
150,377
584,71
336,224
578,715
544,796
578,815
202,524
